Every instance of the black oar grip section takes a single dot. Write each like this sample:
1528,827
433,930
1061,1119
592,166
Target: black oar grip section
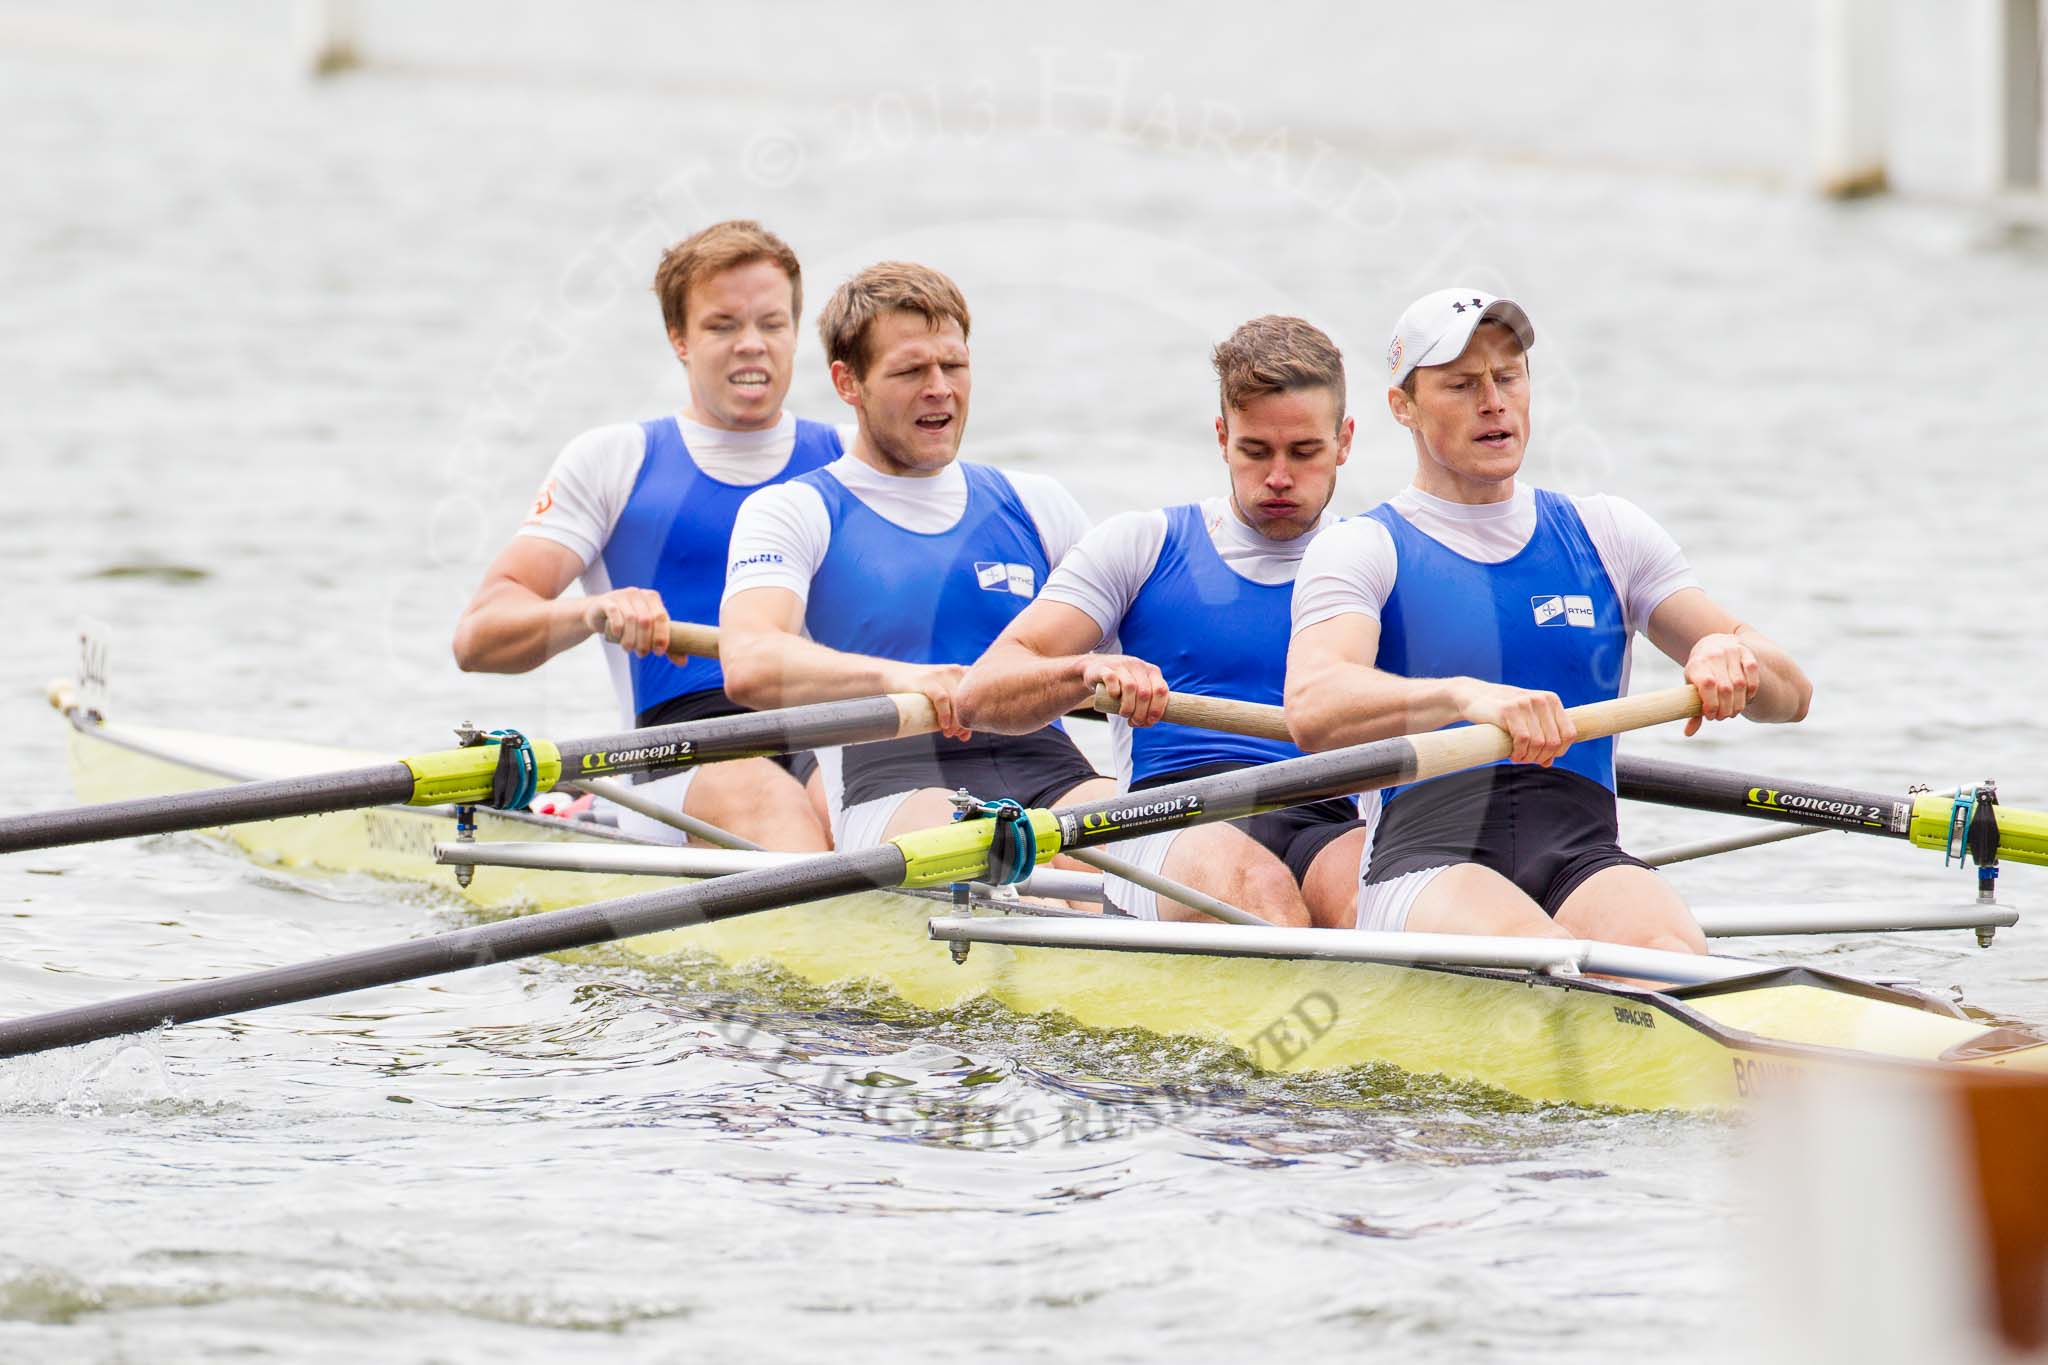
455,775
1768,798
753,734
1227,796
829,874
231,805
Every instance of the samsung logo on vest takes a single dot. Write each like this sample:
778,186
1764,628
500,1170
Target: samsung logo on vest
765,557
1011,578
1563,611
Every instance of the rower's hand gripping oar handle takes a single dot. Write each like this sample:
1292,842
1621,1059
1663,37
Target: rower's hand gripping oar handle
1595,720
1212,713
688,640
960,852
1467,746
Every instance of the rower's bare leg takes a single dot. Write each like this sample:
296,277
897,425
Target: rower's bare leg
1233,867
923,808
1631,905
755,798
1470,899
821,802
1331,891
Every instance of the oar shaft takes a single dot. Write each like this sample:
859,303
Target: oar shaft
385,784
1340,772
956,852
1921,819
454,776
554,932
1800,803
750,734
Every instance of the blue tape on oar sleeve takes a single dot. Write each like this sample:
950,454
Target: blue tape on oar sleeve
1013,851
517,779
1013,843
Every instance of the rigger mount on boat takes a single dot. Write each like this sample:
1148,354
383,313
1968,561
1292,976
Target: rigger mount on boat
1973,837
514,783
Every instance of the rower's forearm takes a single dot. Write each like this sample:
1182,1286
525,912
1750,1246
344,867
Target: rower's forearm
1354,705
1015,692
766,670
515,631
1784,693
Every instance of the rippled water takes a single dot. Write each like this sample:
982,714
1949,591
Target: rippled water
285,362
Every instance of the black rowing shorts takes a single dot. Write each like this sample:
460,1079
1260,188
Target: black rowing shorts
1033,770
1544,829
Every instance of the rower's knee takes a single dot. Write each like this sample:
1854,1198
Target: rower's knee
1466,898
757,800
1632,906
1677,941
1267,889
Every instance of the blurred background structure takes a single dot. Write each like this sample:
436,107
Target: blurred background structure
1931,97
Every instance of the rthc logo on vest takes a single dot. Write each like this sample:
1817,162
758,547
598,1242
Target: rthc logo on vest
1011,578
1554,610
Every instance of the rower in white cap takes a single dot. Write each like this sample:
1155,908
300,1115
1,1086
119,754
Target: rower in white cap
1469,598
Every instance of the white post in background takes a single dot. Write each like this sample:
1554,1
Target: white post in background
327,38
2017,89
1852,87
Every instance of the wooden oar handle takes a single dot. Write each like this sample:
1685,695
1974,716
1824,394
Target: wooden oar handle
688,640
1595,721
915,713
1468,746
1213,713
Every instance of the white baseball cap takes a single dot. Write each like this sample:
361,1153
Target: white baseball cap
1436,328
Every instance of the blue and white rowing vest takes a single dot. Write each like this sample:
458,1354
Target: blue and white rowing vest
1210,631
940,598
673,537
1546,619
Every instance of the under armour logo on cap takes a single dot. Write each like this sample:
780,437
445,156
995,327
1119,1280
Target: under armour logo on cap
1436,328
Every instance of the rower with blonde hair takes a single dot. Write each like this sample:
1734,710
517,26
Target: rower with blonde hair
642,512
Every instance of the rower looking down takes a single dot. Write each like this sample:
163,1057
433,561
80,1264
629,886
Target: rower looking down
642,513
1195,599
892,568
1466,598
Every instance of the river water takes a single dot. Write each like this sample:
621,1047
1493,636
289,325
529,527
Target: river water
285,361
